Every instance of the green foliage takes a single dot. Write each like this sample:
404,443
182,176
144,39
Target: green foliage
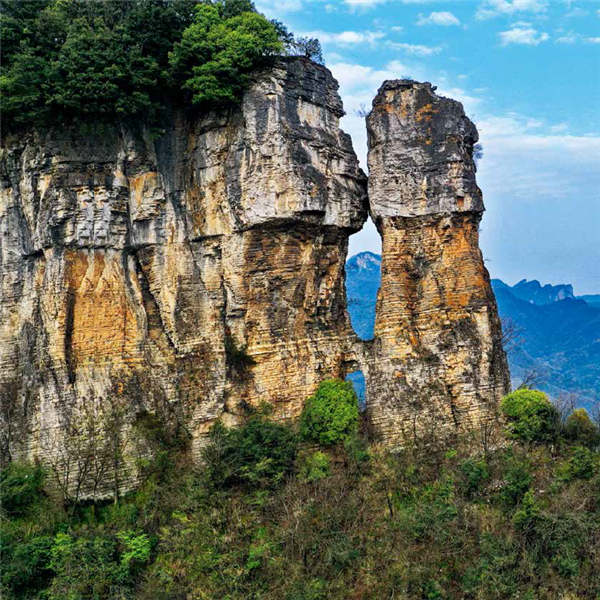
229,49
95,566
582,464
419,523
580,429
331,415
259,454
531,416
517,481
315,466
75,59
474,474
20,486
25,563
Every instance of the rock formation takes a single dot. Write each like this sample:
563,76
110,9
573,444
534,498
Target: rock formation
203,271
437,347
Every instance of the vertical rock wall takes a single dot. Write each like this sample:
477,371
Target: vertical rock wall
437,355
196,274
202,272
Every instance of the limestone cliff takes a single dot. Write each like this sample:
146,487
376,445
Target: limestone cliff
203,271
437,346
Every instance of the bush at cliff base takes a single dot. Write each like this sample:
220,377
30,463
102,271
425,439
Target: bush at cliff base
580,428
531,416
331,414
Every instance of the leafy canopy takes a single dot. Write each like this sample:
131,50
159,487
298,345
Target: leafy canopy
104,59
331,415
214,59
531,416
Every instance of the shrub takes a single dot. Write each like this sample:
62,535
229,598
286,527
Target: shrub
516,484
474,474
531,416
260,453
580,428
238,359
583,464
21,485
316,466
25,565
331,414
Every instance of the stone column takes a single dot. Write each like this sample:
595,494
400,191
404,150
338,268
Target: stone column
437,358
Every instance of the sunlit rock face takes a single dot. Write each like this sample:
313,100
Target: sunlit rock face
135,270
202,272
437,356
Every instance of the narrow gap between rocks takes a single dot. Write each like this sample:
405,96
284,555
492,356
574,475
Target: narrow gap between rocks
363,277
360,387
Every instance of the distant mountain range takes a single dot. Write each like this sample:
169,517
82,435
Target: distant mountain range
558,333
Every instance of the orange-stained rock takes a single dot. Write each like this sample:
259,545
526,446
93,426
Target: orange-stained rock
437,349
201,273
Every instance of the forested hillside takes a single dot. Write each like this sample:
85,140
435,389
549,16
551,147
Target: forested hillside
322,512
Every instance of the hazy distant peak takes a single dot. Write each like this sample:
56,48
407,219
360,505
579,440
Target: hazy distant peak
367,261
534,293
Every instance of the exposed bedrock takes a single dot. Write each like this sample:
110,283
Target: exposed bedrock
437,357
203,271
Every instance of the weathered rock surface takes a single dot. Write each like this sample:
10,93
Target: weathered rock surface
437,347
135,269
204,271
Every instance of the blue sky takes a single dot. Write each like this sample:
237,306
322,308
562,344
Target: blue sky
528,74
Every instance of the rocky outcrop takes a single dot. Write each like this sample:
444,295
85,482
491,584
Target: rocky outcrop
437,348
203,271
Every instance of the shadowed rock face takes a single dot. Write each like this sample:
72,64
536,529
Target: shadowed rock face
437,347
204,271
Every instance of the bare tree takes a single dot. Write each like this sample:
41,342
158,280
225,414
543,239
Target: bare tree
512,334
87,449
532,378
309,48
363,112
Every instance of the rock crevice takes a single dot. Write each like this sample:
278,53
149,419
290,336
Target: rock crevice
129,266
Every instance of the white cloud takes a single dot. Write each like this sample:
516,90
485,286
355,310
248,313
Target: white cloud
523,35
416,49
493,8
445,19
397,28
568,38
577,12
463,76
275,8
347,38
594,40
532,179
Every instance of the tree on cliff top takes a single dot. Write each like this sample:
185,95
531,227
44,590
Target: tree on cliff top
70,59
216,55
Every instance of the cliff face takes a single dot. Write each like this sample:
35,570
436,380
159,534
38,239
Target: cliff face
204,271
437,348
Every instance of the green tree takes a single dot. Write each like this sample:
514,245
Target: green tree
100,71
216,55
331,415
531,416
258,454
580,428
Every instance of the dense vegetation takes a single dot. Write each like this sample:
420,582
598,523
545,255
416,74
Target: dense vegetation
106,59
269,516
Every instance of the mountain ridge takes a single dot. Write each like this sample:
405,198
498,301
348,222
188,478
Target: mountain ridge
558,332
